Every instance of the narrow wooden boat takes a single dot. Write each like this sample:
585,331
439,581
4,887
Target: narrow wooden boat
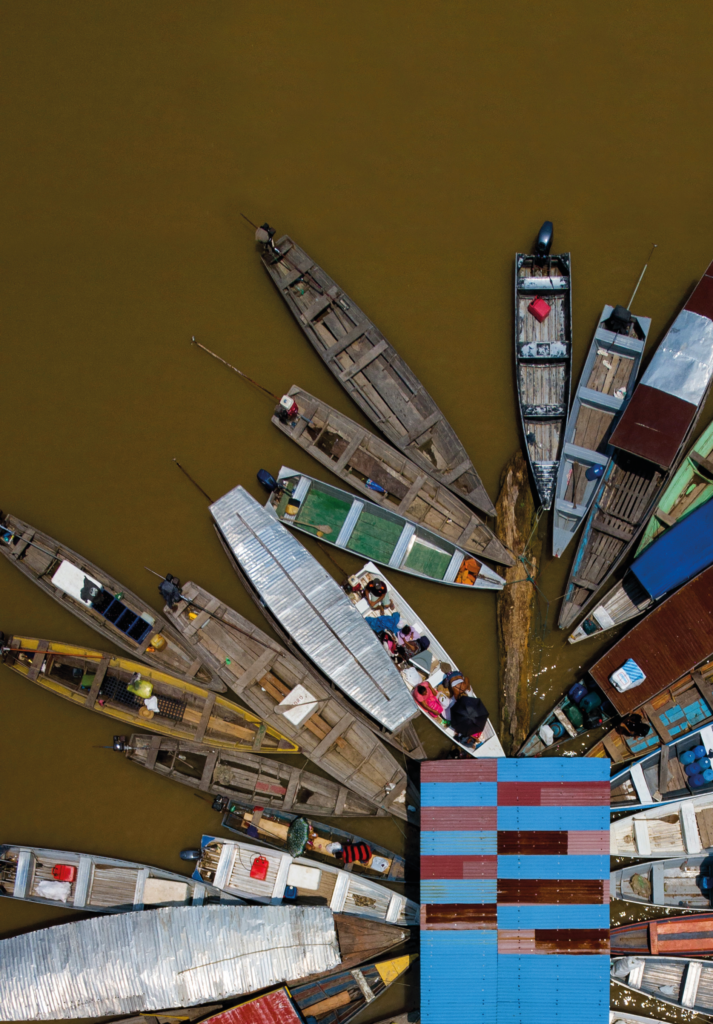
245,778
101,601
272,829
669,936
671,560
606,385
372,372
651,436
313,616
683,882
691,487
187,1013
563,723
340,998
329,730
363,528
384,474
95,884
684,706
687,984
280,1005
660,778
543,358
430,666
100,682
678,827
240,869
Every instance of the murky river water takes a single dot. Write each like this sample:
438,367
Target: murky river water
411,149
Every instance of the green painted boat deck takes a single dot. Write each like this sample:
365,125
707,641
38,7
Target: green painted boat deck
323,509
374,537
427,560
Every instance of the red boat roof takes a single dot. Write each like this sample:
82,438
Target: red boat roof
273,1008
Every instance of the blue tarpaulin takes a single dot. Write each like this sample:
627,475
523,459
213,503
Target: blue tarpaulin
678,555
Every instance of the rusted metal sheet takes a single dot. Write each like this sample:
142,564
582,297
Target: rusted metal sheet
273,1008
553,940
559,890
672,639
548,794
457,916
458,819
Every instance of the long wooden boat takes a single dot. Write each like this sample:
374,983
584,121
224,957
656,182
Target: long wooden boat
101,601
100,682
271,828
659,777
687,984
671,560
96,884
371,371
282,1006
245,778
363,528
682,707
691,487
666,830
115,964
668,936
564,722
543,359
681,882
606,385
384,474
313,616
651,436
232,865
339,999
329,730
430,666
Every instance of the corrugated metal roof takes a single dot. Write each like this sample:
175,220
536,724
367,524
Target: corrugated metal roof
514,910
156,958
313,609
678,554
273,1008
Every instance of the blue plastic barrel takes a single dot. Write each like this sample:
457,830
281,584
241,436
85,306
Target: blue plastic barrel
696,781
692,769
687,757
703,763
577,692
708,775
699,751
557,729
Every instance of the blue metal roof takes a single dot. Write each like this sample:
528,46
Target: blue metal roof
678,555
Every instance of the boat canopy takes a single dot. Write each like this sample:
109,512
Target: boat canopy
678,555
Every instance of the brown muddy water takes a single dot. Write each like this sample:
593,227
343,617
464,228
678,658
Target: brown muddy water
411,149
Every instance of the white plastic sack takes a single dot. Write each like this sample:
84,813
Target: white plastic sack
623,967
379,863
54,890
546,735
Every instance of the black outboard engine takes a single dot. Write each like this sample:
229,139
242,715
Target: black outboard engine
620,320
190,854
264,235
544,239
266,480
120,744
221,803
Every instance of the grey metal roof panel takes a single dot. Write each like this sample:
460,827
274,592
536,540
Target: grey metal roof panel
313,609
682,365
178,956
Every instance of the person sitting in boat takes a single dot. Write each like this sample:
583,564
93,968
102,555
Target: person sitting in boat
633,725
407,633
377,595
170,591
469,716
410,648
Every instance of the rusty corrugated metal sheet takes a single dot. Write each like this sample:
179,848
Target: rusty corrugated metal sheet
671,640
553,794
458,819
460,771
273,1008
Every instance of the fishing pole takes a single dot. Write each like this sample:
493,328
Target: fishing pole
641,276
230,366
249,221
195,484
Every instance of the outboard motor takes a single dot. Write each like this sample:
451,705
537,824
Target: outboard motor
221,803
544,239
620,320
120,744
190,854
264,235
266,480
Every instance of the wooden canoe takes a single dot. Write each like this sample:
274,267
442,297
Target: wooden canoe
246,778
691,487
280,1006
659,777
687,984
372,372
683,882
686,705
669,936
669,830
101,885
98,599
229,864
385,475
99,682
564,729
606,384
363,528
429,666
272,828
543,364
339,998
329,730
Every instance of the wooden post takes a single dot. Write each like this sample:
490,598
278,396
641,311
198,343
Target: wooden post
516,603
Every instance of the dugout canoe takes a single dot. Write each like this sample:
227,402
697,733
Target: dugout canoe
272,828
385,475
245,777
363,528
371,371
682,882
329,730
605,387
430,666
666,830
314,617
669,936
239,868
672,559
543,358
691,487
687,984
101,601
99,682
96,884
650,439
659,778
